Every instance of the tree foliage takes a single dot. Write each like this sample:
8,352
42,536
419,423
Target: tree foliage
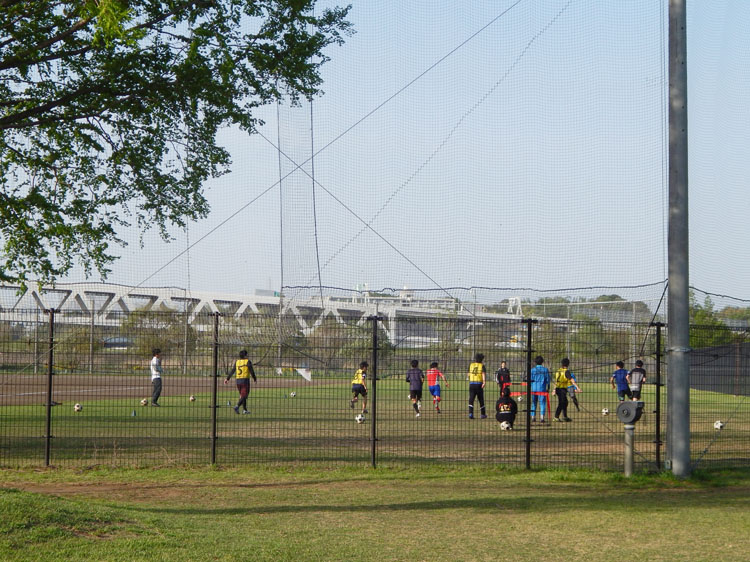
706,328
109,111
581,309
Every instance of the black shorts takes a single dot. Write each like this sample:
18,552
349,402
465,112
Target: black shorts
636,394
415,394
621,394
359,389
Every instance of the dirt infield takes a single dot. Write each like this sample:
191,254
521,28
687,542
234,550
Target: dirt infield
28,390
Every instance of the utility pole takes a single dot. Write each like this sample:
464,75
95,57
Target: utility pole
678,363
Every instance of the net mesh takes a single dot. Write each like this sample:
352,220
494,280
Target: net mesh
519,149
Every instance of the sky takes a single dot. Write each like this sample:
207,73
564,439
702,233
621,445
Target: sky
517,145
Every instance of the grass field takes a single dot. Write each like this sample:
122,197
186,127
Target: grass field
311,512
317,424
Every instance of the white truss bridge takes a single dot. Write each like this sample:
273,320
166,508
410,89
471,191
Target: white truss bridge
99,303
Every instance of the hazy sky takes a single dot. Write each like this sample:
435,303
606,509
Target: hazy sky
504,144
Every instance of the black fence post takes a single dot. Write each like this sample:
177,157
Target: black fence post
657,411
529,350
374,392
214,390
50,361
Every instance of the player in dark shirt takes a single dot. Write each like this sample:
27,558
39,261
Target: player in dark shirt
506,408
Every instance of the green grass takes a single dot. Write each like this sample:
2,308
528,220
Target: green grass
318,425
311,512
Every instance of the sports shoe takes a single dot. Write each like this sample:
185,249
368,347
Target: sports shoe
438,410
483,416
245,412
236,409
567,419
533,420
542,421
417,414
155,405
365,411
556,420
351,404
471,416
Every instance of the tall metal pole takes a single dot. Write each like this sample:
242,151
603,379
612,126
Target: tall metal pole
215,382
50,371
678,337
529,350
374,388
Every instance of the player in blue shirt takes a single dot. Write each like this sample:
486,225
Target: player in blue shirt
619,382
540,380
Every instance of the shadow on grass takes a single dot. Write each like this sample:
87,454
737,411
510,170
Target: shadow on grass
543,502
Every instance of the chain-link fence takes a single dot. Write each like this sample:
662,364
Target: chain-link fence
77,390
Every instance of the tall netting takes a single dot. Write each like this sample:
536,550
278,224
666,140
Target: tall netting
514,145
520,145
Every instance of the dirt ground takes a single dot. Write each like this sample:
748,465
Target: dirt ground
19,390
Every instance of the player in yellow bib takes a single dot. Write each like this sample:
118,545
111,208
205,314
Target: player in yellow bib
242,371
359,386
477,375
563,380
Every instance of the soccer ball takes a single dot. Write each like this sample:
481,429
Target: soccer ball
192,398
718,424
505,426
520,398
605,411
293,394
144,402
77,408
360,418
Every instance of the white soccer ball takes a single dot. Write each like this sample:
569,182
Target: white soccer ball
505,426
718,424
520,398
293,394
192,398
144,402
605,411
360,418
77,408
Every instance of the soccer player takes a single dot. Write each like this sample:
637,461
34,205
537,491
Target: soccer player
619,381
506,408
502,376
477,378
540,381
562,382
415,378
433,373
359,386
242,371
156,373
636,378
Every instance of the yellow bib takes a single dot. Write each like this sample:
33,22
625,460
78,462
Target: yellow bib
241,369
359,377
475,372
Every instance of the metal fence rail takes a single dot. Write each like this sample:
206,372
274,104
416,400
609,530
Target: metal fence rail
300,408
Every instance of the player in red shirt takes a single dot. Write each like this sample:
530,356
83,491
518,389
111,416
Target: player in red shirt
433,373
